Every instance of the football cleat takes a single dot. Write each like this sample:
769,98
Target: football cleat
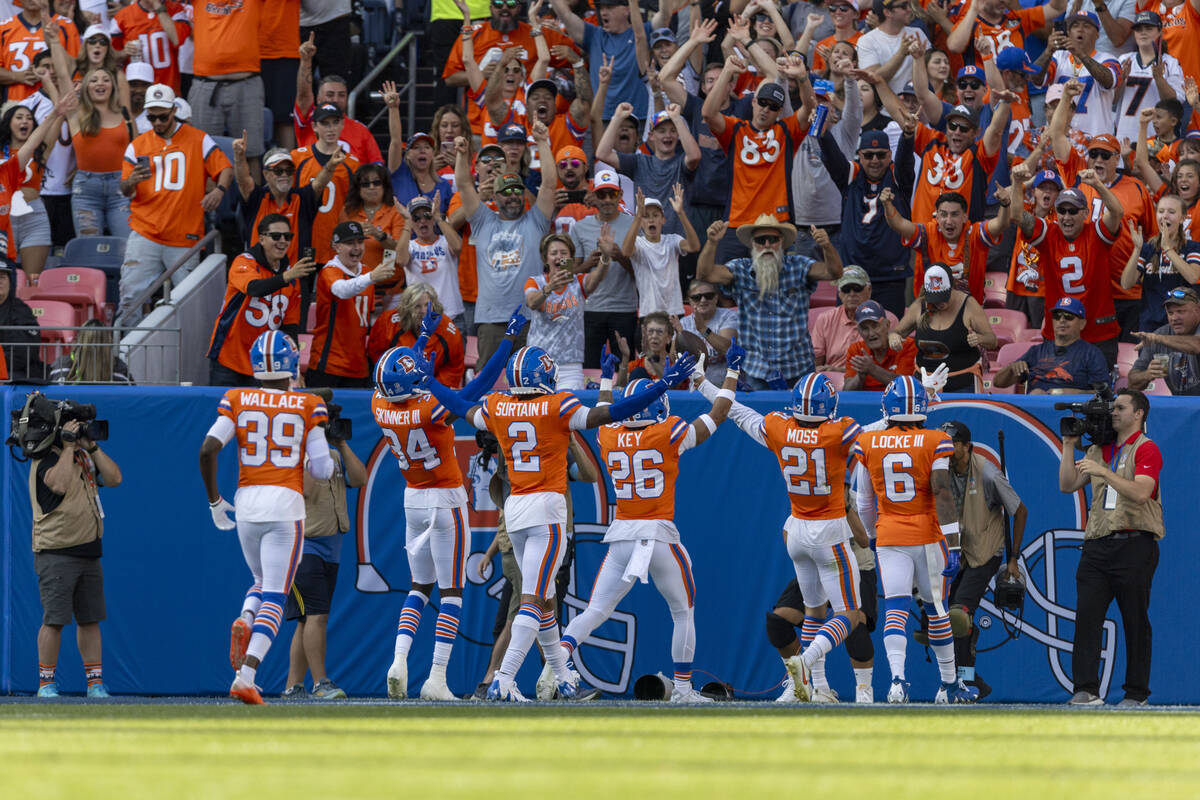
504,692
864,693
801,677
246,692
98,691
789,691
898,693
955,692
239,640
546,684
49,690
689,696
567,690
824,696
436,689
397,680
328,690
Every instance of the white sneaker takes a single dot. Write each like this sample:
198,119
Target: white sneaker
864,694
801,677
397,680
505,692
435,688
824,696
789,691
689,696
898,693
546,684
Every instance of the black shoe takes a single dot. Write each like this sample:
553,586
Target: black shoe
588,694
981,685
481,691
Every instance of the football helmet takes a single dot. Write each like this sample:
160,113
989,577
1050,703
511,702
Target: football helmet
904,400
397,376
814,398
274,356
530,371
657,411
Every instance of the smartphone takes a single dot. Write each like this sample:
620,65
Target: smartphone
576,195
1060,25
448,147
144,161
308,252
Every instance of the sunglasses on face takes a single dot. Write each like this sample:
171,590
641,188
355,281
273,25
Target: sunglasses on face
835,9
512,191
277,236
1068,211
1103,155
873,155
492,159
961,127
608,194
761,18
767,240
158,117
570,163
1060,316
369,182
503,3
851,288
769,104
966,84
698,296
895,6
424,215
283,170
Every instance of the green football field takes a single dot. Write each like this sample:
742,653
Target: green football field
619,752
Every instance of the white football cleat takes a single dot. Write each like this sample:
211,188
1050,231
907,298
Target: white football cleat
789,691
801,677
898,693
864,694
546,684
435,688
824,696
505,692
689,696
397,680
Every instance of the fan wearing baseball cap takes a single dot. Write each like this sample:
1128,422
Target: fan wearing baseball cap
1026,285
279,194
1065,364
328,121
1074,254
1076,57
1172,352
871,363
1139,69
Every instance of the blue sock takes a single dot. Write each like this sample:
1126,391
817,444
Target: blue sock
410,618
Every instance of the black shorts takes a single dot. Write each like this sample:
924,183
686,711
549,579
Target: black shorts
312,591
971,583
279,87
791,596
71,588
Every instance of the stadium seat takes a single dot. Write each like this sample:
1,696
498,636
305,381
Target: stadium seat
471,356
1157,386
1031,335
995,279
824,295
989,388
1126,353
1007,323
994,297
98,252
25,291
304,342
54,314
1009,353
226,145
83,287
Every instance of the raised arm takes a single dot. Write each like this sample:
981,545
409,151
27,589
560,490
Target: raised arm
628,406
572,24
1129,275
49,128
960,37
549,185
1141,158
895,220
604,76
691,150
304,75
931,104
1060,121
711,110
993,137
604,149
241,168
640,43
493,95
1113,210
391,98
706,269
629,244
829,268
668,76
462,177
706,424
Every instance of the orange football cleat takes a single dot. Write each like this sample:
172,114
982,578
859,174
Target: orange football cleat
247,694
239,640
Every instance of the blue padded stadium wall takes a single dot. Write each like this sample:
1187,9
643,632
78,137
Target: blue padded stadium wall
174,582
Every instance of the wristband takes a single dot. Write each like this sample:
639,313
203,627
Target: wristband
93,449
726,394
222,188
948,530
708,422
606,384
733,373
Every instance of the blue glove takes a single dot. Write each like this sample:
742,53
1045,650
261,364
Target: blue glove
952,562
609,361
679,371
734,355
516,323
430,321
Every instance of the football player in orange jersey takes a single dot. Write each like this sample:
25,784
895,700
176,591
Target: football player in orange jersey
277,432
420,433
813,444
533,422
642,454
907,468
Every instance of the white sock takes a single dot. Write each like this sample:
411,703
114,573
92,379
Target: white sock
896,647
864,676
246,674
524,631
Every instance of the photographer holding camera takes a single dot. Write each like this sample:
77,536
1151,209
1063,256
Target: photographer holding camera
68,523
1120,547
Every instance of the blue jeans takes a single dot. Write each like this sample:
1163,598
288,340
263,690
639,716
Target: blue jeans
98,204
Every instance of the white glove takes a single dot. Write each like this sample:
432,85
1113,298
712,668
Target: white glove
220,514
936,381
1029,276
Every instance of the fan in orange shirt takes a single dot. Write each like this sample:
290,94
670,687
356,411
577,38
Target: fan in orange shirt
446,348
328,120
22,37
159,28
907,468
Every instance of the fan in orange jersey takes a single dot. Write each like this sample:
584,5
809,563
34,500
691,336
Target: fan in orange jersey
1026,283
812,445
328,120
22,37
446,349
533,423
159,28
345,300
420,432
278,432
1074,255
263,293
642,454
13,170
907,467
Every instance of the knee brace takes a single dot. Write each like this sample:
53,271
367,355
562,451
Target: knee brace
780,632
858,644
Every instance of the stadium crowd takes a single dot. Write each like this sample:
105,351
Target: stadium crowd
789,162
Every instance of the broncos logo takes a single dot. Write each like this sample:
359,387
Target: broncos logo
406,363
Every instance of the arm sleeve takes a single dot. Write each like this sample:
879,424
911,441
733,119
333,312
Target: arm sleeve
835,161
628,406
346,288
744,417
490,372
320,463
865,499
452,400
265,286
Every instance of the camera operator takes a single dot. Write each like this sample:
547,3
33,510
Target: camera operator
311,595
983,494
1120,547
68,523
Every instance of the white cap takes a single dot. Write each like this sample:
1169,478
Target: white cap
95,30
652,201
139,71
159,96
606,179
275,155
183,109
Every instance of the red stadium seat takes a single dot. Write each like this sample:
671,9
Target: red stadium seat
1126,353
83,287
995,279
310,323
994,297
824,295
1031,335
25,291
1009,353
1008,324
54,314
990,389
304,342
1157,386
472,352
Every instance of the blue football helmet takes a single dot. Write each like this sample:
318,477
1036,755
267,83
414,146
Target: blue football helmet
814,398
530,371
904,400
657,411
274,356
397,376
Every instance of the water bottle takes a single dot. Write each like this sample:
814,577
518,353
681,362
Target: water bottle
775,381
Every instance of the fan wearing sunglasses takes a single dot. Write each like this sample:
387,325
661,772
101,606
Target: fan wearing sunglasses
708,321
372,204
279,194
428,250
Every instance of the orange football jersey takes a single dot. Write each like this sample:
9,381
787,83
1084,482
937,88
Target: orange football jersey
760,167
226,36
900,464
11,177
943,171
813,461
644,465
422,440
329,213
19,43
340,337
243,319
534,434
136,24
271,429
